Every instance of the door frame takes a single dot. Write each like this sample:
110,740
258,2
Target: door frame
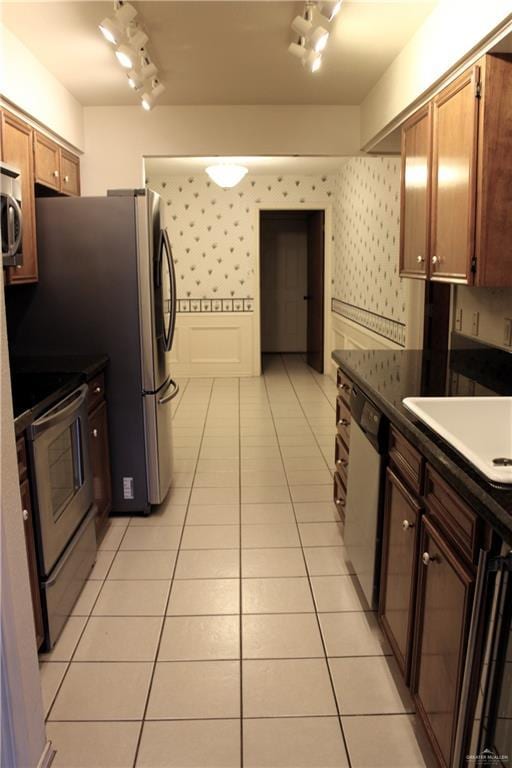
327,209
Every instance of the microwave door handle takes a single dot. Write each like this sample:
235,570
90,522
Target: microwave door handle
13,213
58,415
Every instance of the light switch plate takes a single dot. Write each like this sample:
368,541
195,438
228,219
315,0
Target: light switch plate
474,327
507,336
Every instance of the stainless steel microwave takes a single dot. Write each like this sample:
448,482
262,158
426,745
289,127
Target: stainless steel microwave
11,217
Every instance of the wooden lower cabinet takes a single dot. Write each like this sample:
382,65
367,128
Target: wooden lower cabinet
32,561
100,464
444,601
399,566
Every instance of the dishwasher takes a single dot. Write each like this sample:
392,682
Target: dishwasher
365,487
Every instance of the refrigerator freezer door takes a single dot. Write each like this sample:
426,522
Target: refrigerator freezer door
151,299
158,421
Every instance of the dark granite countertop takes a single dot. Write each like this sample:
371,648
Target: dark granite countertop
40,381
387,377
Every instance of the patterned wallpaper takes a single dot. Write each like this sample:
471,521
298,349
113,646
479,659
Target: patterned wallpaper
212,232
366,234
213,238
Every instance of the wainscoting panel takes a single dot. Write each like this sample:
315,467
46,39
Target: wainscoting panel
349,335
213,344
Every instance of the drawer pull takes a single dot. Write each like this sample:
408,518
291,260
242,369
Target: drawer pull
406,525
427,559
344,386
97,390
95,432
343,423
25,514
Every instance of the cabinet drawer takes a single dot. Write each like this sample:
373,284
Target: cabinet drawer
21,451
344,386
340,495
70,173
96,391
341,458
409,463
343,419
46,162
459,521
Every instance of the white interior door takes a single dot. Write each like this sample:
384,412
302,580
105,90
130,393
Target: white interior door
284,246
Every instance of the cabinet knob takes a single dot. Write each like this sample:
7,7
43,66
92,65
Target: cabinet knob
95,432
25,514
427,559
342,463
97,390
343,422
56,174
344,386
66,179
436,260
340,502
406,525
420,259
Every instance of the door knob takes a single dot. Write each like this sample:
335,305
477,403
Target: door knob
427,558
406,525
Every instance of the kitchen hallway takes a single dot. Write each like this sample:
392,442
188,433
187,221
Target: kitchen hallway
226,629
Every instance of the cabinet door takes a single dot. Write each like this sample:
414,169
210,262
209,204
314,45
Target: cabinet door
70,170
445,591
46,162
454,172
100,464
17,151
399,564
415,195
32,561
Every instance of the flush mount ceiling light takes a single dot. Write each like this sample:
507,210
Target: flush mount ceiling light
226,175
130,40
313,37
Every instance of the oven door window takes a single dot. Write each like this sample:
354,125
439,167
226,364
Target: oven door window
65,468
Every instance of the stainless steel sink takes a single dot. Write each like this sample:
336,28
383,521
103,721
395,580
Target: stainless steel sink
479,428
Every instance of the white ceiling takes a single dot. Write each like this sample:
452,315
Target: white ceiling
275,165
218,52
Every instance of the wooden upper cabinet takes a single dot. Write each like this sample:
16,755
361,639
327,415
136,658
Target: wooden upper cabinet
46,162
70,173
444,600
17,151
454,166
415,195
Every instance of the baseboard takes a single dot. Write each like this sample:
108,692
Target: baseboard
46,758
208,344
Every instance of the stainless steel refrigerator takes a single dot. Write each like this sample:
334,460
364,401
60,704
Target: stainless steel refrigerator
107,285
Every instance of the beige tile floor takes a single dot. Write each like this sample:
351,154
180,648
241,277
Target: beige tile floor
226,629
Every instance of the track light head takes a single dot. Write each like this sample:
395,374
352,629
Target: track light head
148,99
125,56
111,31
147,68
135,81
300,51
329,9
137,37
318,38
312,61
125,12
302,26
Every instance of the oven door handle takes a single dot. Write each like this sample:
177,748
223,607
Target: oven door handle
58,414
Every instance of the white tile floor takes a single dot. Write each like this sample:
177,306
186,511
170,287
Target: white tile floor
226,630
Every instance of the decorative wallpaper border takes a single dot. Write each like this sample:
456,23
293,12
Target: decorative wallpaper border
215,305
383,326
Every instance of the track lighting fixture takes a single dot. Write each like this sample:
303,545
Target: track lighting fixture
313,37
329,9
130,39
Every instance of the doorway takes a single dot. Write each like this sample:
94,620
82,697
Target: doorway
292,283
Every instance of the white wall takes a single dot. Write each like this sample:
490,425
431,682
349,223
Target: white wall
453,29
30,87
117,138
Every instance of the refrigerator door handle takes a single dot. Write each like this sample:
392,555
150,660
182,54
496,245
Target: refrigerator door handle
171,395
169,335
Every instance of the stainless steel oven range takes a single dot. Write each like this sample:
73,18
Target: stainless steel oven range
65,513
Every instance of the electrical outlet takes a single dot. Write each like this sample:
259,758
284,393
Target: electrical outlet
458,320
474,327
507,336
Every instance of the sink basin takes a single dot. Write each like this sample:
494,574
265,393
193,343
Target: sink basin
479,428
